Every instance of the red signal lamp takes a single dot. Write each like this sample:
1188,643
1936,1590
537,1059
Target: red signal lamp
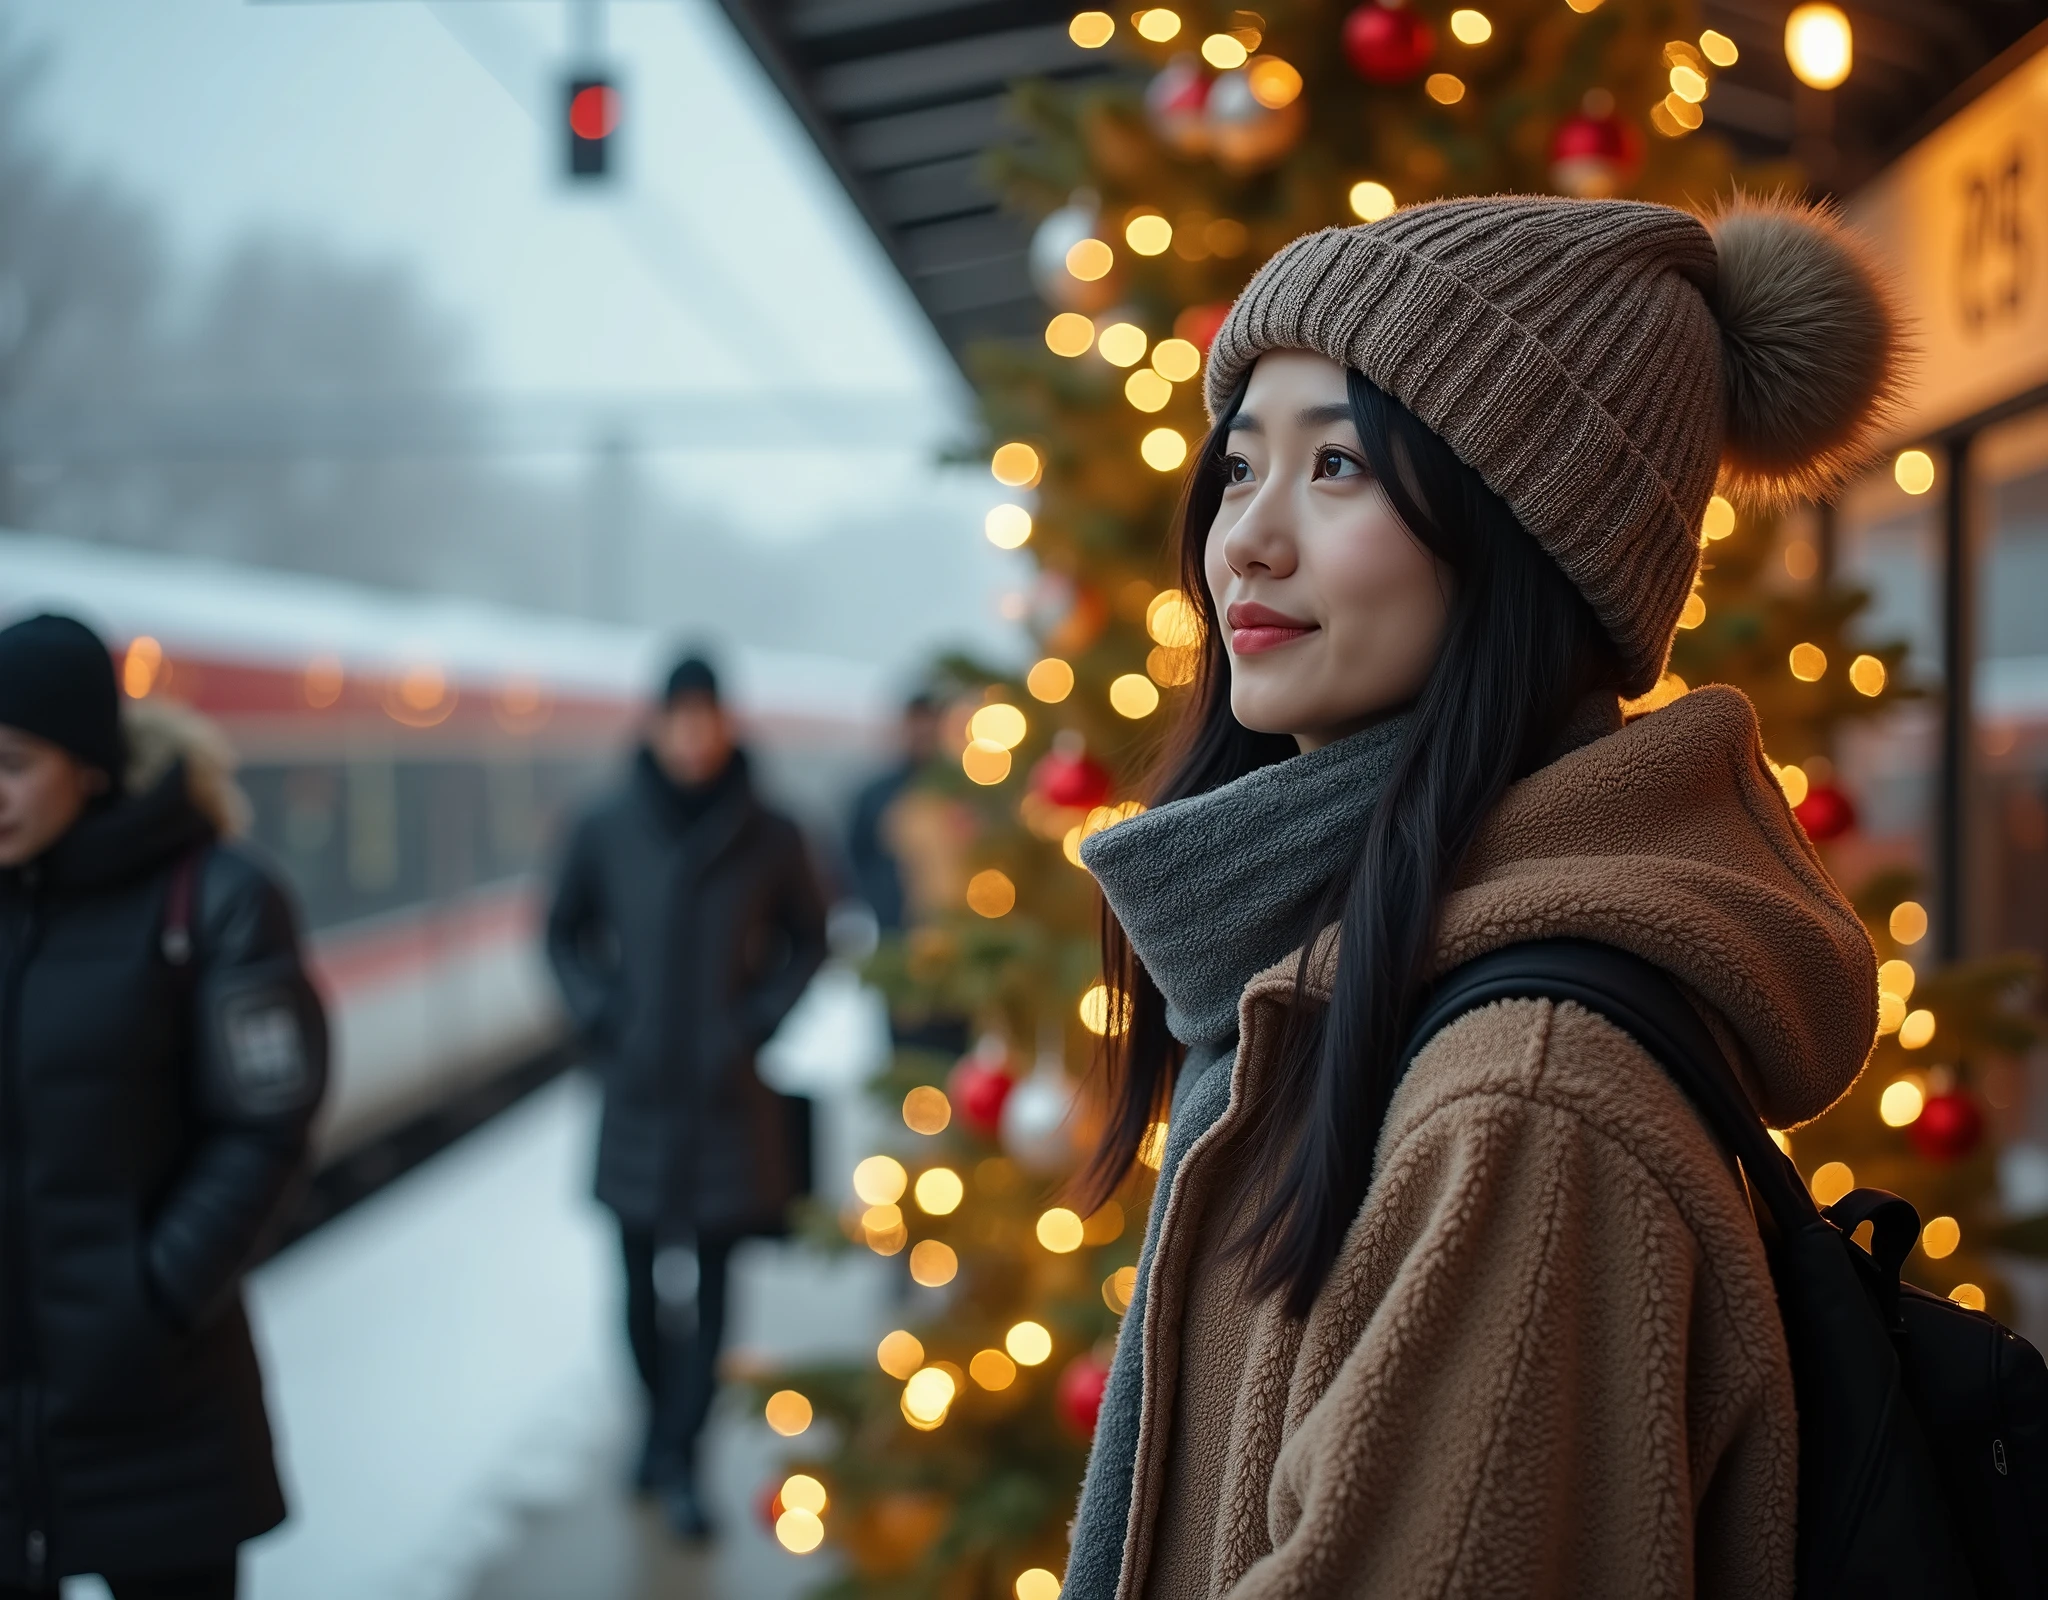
594,111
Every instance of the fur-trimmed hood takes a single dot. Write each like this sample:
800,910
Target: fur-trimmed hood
160,734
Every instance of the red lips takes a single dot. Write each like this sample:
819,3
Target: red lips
1255,628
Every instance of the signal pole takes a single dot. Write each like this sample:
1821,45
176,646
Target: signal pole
591,105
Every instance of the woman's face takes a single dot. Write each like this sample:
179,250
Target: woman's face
42,792
1332,611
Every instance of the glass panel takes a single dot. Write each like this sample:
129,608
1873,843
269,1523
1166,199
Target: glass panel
2007,839
1889,543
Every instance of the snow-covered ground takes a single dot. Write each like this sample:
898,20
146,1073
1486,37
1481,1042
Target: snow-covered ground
449,1380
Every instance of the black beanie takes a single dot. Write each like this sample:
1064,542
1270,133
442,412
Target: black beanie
57,682
691,675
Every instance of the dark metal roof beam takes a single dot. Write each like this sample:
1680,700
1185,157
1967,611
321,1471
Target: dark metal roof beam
825,19
947,71
967,127
940,189
962,242
973,288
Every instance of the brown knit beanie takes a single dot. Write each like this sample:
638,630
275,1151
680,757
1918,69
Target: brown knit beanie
1599,363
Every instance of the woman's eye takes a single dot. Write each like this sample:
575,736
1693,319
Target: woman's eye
1237,470
1336,464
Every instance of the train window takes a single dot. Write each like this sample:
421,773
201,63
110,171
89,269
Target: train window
372,826
311,799
512,804
454,818
373,836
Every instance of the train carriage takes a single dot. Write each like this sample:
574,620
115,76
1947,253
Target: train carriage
410,761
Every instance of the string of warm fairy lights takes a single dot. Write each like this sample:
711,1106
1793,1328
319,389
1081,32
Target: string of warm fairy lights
931,1384
1909,1097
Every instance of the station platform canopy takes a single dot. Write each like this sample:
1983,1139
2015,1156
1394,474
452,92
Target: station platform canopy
904,97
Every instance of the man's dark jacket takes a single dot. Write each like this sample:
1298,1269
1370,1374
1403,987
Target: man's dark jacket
153,1119
686,924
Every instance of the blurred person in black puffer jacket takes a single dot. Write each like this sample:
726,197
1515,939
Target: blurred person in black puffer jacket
161,1056
686,923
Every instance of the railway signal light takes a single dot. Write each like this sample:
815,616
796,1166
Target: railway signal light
592,108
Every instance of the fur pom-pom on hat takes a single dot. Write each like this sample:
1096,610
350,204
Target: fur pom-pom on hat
1811,352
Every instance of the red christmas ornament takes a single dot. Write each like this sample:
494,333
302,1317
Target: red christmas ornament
1594,156
978,1087
1080,1393
1948,1127
1198,324
1070,780
1177,105
1387,43
1825,813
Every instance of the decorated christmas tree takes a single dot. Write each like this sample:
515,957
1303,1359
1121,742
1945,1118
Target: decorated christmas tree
948,1467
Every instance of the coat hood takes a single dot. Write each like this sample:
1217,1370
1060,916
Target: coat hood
129,834
161,734
1671,839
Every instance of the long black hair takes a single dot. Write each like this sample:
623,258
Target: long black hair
1521,648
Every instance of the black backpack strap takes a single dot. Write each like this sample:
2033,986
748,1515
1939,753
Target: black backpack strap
1640,999
181,910
1894,1228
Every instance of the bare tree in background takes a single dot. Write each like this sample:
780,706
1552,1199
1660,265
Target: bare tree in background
81,269
97,327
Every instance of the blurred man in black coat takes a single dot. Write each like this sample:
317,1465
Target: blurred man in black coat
161,1056
686,924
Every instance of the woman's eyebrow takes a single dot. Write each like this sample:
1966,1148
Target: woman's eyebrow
1245,422
1319,416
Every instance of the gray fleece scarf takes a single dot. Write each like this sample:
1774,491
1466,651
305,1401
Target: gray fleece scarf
1212,890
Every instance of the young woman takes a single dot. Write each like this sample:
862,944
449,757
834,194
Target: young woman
161,1056
1502,1325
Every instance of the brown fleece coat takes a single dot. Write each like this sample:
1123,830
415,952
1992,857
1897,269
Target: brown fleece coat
1547,1361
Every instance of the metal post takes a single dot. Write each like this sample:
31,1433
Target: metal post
586,32
1958,666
